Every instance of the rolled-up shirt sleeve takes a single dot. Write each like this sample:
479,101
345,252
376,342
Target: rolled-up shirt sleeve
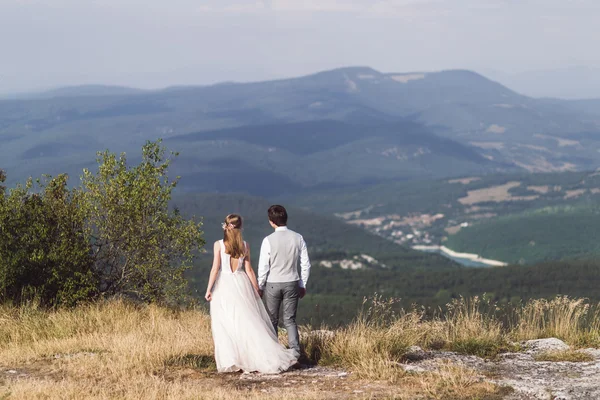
304,265
264,263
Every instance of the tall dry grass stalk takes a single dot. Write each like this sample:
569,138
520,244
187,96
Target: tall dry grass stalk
376,342
371,345
471,326
572,320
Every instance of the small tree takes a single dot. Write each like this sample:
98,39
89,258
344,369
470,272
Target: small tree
140,247
44,250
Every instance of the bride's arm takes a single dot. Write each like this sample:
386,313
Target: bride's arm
249,270
214,271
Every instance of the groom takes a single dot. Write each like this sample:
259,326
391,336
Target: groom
281,253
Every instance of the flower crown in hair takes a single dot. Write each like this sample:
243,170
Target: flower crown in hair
227,227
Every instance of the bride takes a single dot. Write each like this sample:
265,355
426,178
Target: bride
242,331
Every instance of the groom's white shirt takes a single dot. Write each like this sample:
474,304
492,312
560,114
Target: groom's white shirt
280,254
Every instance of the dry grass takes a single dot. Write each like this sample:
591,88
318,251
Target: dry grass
375,344
564,355
573,320
469,330
116,350
457,382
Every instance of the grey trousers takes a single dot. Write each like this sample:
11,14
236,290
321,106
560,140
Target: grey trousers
286,294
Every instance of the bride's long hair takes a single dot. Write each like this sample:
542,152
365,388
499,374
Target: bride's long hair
232,236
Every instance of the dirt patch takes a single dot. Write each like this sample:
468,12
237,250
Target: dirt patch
540,164
407,78
368,222
573,194
483,216
539,189
351,86
561,142
453,230
465,181
315,382
354,214
496,194
537,148
420,220
488,145
495,129
38,369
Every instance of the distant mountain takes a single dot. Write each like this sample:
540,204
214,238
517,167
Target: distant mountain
390,126
285,158
91,90
76,91
563,83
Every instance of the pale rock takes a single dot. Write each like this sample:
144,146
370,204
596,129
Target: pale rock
592,352
545,345
320,334
414,368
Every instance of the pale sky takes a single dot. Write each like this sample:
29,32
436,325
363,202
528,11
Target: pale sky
157,43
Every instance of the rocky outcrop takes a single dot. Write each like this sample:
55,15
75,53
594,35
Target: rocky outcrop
530,379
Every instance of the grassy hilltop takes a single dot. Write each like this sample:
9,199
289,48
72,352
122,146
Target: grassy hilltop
115,350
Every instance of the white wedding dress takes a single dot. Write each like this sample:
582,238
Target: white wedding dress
242,331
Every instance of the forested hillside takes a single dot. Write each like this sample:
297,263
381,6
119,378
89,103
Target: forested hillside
335,296
552,233
371,127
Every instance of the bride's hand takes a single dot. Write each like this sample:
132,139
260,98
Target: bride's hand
208,296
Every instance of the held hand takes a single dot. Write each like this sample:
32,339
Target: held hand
301,292
208,296
260,293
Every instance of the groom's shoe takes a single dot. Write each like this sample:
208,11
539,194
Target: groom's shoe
305,360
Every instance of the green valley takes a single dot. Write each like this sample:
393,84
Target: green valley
517,218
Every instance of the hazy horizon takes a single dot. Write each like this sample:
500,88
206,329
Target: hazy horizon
152,44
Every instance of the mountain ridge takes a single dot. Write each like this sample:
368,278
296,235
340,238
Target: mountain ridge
464,107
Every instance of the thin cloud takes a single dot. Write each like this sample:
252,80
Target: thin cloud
317,5
381,8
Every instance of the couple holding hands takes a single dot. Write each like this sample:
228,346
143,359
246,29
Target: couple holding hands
244,328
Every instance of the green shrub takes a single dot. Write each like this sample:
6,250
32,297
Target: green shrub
44,249
113,235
